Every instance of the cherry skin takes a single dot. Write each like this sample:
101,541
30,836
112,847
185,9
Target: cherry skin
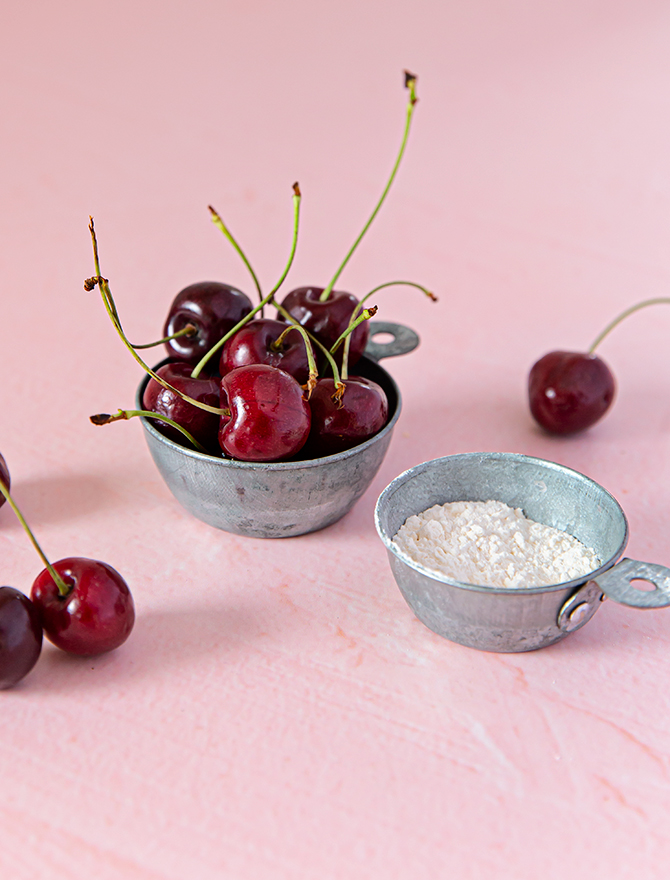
213,308
269,419
569,391
20,636
4,476
96,616
203,425
327,320
338,425
252,344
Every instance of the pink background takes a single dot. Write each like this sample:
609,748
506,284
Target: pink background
278,712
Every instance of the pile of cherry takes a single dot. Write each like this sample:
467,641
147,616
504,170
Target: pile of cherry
257,389
82,605
273,407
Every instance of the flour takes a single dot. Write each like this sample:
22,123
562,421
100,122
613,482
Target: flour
490,544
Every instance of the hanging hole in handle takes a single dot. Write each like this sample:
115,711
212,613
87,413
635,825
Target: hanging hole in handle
638,584
643,585
402,340
381,337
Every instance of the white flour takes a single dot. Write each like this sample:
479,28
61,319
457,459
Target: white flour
490,544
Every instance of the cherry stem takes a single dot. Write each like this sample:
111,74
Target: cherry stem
636,308
245,320
110,305
410,83
345,337
63,588
322,348
359,306
311,360
218,222
123,414
188,330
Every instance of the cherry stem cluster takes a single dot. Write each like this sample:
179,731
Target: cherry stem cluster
322,348
410,83
63,588
629,311
110,306
311,360
265,300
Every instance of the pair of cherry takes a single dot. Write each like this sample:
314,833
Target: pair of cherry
82,605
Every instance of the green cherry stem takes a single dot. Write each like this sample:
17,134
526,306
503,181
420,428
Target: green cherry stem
359,306
63,588
245,320
322,348
345,337
124,414
188,330
636,308
218,222
311,360
410,83
110,305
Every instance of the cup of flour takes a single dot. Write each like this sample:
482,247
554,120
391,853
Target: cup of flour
505,552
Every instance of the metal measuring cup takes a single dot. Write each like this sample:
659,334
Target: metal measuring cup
522,619
289,498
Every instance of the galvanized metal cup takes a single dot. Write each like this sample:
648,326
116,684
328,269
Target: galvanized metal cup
521,619
282,499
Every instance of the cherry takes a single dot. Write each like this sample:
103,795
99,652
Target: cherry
255,344
202,424
327,319
97,613
212,308
4,476
84,606
270,418
20,636
569,391
340,422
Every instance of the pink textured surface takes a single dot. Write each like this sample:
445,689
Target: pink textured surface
278,712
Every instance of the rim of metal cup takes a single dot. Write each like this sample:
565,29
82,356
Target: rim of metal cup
410,473
229,463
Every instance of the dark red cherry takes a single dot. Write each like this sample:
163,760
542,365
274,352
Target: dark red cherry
269,419
253,344
203,425
20,636
340,424
327,320
96,616
4,476
569,391
213,308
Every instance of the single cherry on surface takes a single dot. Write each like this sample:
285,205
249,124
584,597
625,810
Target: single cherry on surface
95,616
569,391
341,422
269,419
213,308
255,343
329,318
20,636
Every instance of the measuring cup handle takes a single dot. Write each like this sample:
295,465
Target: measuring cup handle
404,340
616,584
